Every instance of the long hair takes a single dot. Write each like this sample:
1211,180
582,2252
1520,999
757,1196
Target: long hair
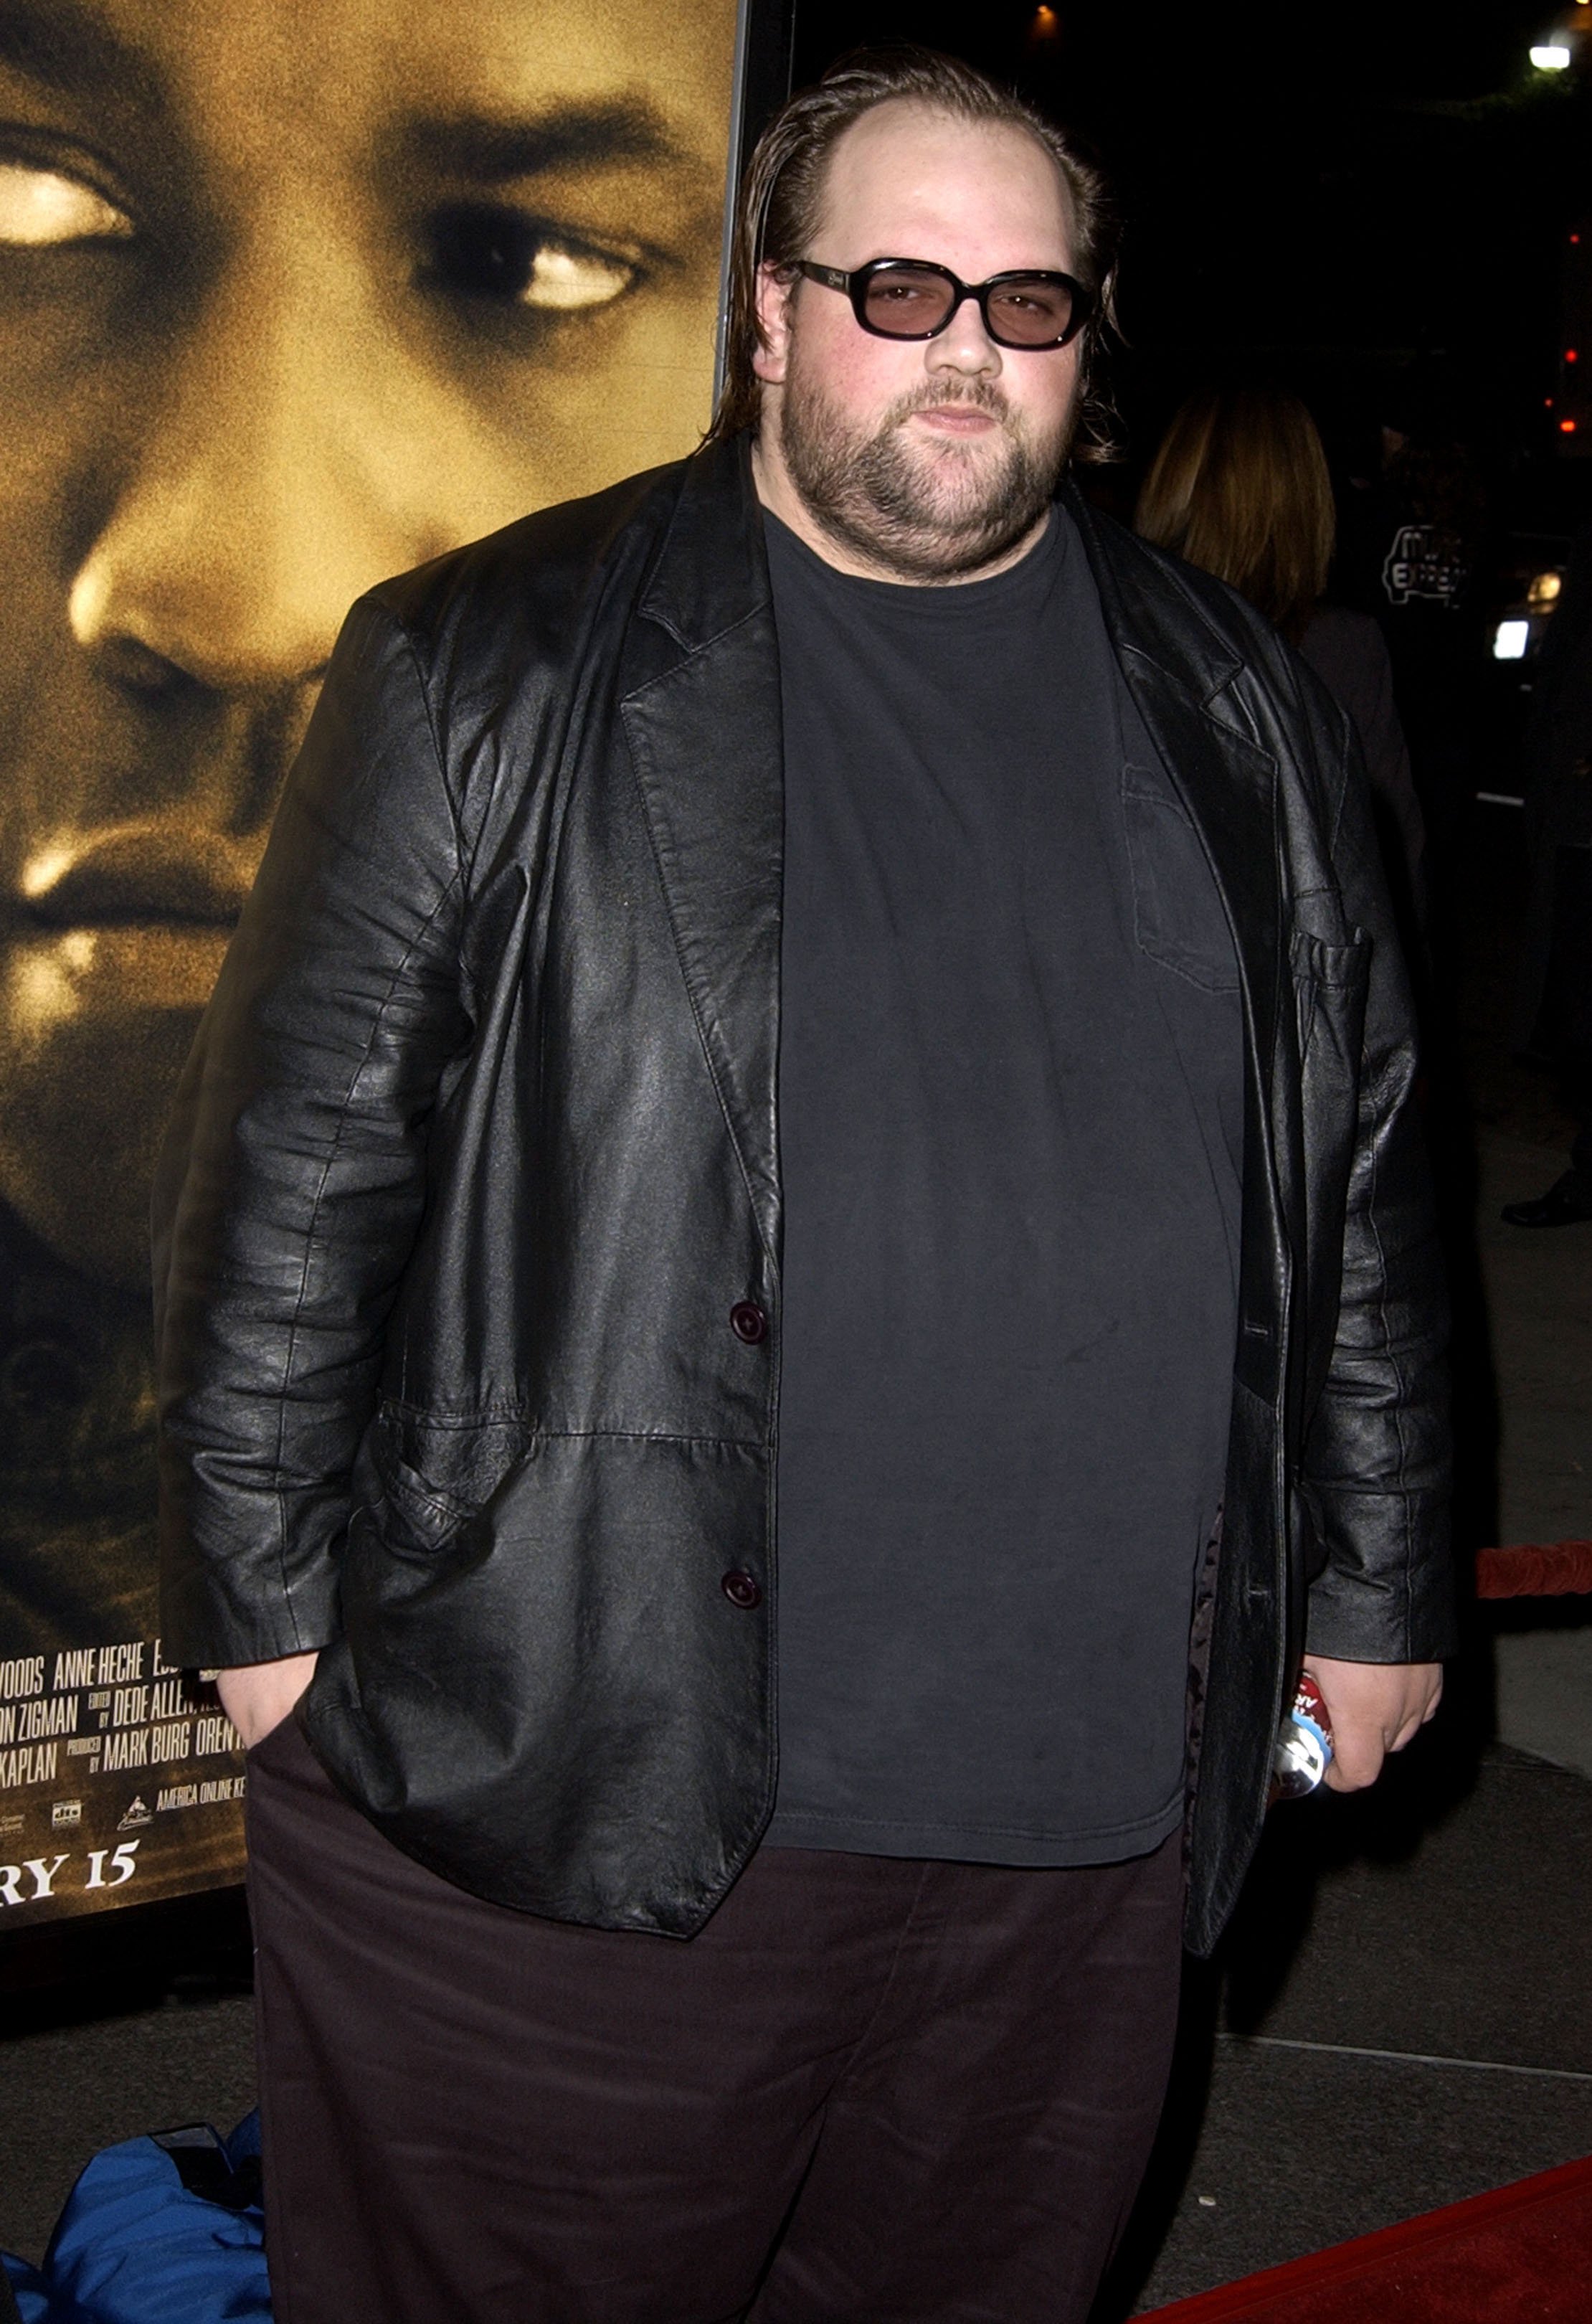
1240,487
782,195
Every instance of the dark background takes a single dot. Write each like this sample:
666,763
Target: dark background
1370,201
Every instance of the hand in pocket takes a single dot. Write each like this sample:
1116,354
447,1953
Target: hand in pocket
258,1696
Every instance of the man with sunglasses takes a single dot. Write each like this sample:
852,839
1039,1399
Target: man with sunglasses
819,1033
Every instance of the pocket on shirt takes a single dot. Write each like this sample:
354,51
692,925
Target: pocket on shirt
1177,914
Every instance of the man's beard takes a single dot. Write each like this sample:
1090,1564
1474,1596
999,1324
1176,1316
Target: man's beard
925,511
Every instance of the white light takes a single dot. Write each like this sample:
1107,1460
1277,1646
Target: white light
1509,640
1552,56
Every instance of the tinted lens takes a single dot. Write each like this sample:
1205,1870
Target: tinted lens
1025,313
907,303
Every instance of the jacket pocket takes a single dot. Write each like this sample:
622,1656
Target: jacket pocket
1330,983
417,1511
412,1518
1178,917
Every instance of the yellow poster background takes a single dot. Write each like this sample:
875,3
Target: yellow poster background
290,299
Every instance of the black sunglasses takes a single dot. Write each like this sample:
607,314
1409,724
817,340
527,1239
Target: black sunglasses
914,299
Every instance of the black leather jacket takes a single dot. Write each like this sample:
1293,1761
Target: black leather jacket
476,1161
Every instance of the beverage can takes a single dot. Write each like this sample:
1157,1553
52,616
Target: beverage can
1303,1750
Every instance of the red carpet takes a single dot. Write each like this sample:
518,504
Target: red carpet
1521,2255
1554,1568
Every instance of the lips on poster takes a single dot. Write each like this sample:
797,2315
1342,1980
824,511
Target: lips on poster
289,300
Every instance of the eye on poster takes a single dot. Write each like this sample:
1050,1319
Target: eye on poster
289,300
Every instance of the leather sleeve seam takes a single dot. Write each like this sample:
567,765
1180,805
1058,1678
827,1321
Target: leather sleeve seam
377,1020
438,753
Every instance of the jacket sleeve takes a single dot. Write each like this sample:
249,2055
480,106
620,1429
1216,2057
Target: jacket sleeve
293,1177
1376,1453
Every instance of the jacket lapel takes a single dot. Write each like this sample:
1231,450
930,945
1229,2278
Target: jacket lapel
1227,781
1227,784
704,740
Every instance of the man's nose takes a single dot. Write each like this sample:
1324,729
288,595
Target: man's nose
964,345
281,474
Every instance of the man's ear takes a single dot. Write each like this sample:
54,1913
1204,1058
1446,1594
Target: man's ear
776,290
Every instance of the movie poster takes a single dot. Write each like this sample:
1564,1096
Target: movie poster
291,299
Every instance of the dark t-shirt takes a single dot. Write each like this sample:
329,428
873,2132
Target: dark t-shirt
1010,1107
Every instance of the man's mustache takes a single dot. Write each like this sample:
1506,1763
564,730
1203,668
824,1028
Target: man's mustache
979,395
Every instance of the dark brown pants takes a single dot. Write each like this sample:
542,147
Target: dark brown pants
873,2090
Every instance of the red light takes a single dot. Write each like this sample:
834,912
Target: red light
1567,427
1571,356
1547,403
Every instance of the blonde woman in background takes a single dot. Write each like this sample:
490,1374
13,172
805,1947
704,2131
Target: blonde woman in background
1240,488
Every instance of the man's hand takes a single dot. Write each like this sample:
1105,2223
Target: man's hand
258,1696
1375,1708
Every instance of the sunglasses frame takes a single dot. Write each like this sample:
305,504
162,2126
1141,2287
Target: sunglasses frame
855,287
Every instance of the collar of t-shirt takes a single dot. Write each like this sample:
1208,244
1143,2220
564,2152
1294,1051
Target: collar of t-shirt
998,599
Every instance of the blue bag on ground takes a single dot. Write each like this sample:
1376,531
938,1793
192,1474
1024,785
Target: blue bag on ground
23,2296
162,2230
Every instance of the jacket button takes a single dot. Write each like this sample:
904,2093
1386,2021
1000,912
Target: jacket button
741,1590
747,1322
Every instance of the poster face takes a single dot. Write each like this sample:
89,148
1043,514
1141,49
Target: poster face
291,299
